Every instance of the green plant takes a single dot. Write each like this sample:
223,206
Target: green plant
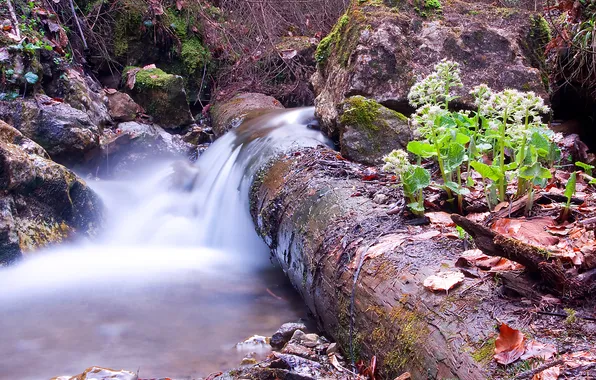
413,178
569,193
504,139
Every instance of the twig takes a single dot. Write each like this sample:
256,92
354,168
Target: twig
532,372
563,315
74,13
14,19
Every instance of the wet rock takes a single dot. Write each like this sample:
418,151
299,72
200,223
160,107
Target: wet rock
380,199
85,94
66,133
368,131
132,144
41,202
378,52
228,115
284,334
162,95
299,48
99,373
121,106
299,350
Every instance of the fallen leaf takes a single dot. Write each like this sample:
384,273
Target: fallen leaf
509,345
149,67
530,231
425,235
131,77
444,281
288,54
551,373
179,4
535,349
404,376
440,217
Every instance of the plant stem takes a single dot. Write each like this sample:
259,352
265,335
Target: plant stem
530,202
460,198
502,180
440,160
521,182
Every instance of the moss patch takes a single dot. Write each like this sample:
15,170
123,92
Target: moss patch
361,112
484,353
128,26
194,56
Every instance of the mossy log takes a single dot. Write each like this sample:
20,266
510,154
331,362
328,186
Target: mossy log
360,270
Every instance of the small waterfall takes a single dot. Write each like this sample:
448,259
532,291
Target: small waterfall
176,279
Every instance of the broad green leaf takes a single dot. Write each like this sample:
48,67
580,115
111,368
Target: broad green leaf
455,156
587,167
570,186
470,181
416,180
511,166
484,147
535,172
31,78
422,149
462,139
541,143
490,172
456,189
414,206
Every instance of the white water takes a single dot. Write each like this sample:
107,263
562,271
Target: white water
176,279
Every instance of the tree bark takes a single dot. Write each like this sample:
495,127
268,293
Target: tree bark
360,270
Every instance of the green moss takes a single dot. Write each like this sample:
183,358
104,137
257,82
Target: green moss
333,38
361,112
128,25
179,23
194,56
403,347
342,333
485,352
155,78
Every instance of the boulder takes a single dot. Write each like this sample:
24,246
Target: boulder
66,133
230,114
284,334
132,144
379,52
162,95
121,106
368,131
41,202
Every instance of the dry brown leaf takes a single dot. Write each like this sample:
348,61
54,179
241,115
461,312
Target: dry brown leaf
444,281
551,373
404,376
535,349
440,217
530,231
509,345
425,235
131,77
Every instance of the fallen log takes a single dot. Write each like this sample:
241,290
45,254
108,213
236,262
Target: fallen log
536,260
360,270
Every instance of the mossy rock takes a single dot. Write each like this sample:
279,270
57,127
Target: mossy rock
379,52
368,131
163,96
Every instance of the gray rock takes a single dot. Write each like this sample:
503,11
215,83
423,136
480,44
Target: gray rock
94,373
122,107
230,114
285,333
379,53
66,133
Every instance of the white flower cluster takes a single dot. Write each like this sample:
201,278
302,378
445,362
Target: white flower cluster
481,94
397,162
435,88
424,120
521,109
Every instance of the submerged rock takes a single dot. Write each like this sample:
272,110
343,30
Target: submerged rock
132,144
66,133
41,202
99,373
230,114
162,95
379,52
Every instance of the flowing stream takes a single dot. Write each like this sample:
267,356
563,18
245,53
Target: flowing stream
177,278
